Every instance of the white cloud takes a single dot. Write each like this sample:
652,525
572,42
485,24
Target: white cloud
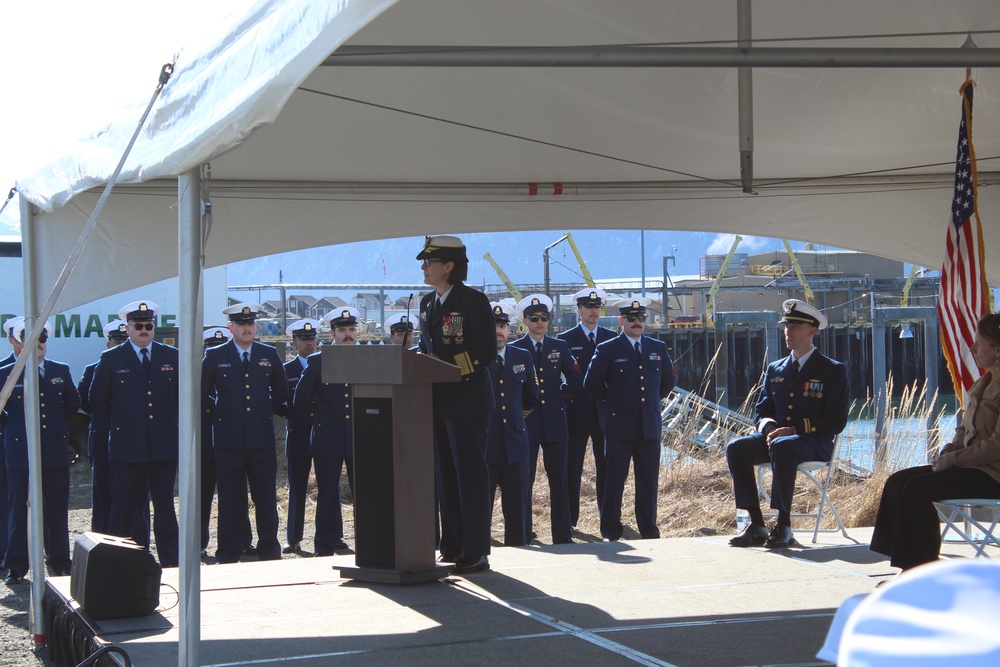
723,242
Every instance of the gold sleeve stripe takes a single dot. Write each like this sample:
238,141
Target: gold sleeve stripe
464,361
805,423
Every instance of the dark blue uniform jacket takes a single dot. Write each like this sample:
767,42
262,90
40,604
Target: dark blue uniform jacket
815,401
461,331
516,392
299,424
629,388
547,423
329,407
58,401
581,409
241,409
141,411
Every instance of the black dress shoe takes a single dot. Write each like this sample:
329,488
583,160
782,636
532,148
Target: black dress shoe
780,537
565,540
250,550
448,558
12,579
340,545
323,554
291,548
471,565
754,535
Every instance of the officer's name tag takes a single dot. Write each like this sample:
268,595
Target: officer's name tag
122,370
225,365
577,348
621,361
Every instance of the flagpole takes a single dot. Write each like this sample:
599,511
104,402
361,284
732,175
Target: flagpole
964,295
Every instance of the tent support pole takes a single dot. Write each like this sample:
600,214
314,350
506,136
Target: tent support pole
745,96
655,56
33,429
189,340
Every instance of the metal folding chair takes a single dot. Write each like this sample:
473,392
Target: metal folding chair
810,469
962,514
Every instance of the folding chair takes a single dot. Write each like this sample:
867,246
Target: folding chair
959,514
810,469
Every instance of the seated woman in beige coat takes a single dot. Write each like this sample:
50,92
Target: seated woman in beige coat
907,528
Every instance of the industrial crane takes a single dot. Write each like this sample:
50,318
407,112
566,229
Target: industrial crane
584,271
710,297
806,290
514,292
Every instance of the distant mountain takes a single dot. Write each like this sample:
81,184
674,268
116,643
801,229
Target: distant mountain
608,253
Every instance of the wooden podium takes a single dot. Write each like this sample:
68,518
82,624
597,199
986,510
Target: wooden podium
393,459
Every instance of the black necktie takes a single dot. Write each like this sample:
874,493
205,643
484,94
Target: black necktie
637,348
793,368
500,361
41,372
246,362
538,353
593,341
145,361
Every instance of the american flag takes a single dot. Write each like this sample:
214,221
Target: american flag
965,294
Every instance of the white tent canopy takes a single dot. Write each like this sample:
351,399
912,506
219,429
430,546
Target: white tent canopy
304,155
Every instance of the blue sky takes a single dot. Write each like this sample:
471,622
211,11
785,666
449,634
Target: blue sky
65,65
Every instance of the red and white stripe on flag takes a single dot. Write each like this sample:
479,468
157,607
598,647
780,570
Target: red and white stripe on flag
965,294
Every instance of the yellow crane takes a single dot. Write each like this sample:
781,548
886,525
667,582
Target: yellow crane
579,259
806,290
904,301
710,297
584,271
514,292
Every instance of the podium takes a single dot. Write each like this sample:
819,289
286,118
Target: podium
393,459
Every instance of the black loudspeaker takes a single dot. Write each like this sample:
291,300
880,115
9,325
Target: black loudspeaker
113,577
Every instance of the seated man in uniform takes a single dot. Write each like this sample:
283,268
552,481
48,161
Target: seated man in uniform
803,405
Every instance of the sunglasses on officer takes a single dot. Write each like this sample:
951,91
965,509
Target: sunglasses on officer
537,318
635,318
42,337
140,326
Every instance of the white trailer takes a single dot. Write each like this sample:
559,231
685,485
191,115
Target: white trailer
77,337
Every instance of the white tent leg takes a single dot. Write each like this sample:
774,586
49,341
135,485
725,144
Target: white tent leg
32,422
189,328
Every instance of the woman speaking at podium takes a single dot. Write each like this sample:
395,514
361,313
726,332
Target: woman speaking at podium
456,326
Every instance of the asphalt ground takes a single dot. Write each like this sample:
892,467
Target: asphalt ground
692,602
